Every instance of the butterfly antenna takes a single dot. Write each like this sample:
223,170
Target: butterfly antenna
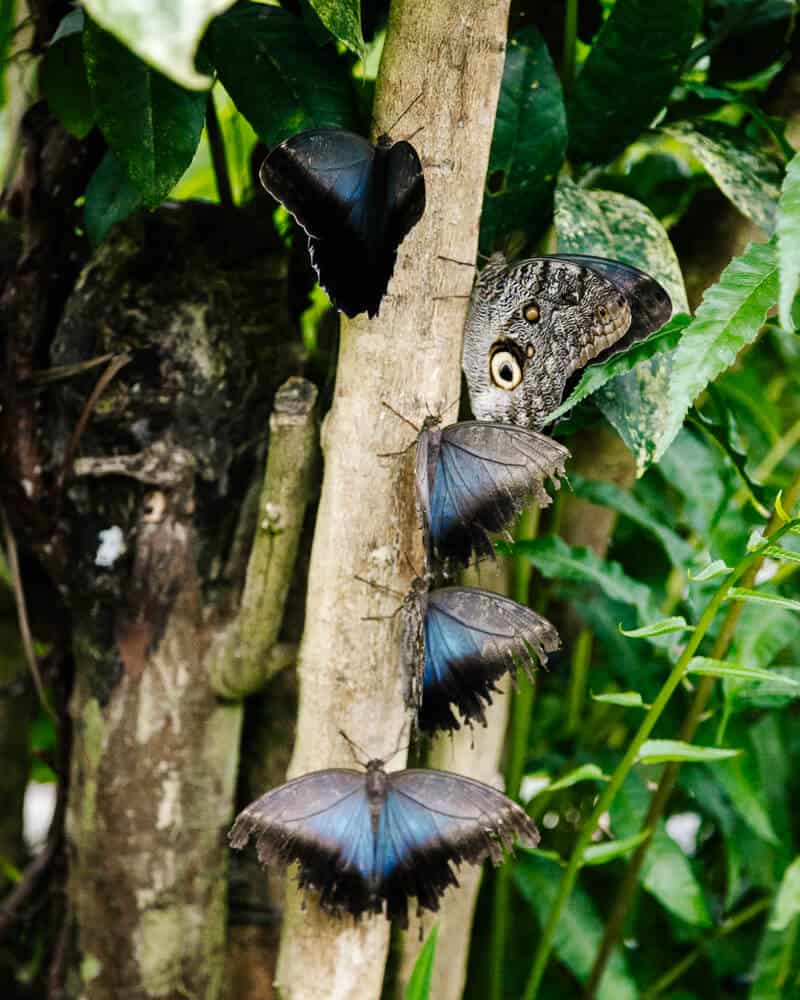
415,133
404,113
398,749
411,565
453,260
353,747
400,416
378,586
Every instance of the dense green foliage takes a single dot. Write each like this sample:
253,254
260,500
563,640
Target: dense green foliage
614,145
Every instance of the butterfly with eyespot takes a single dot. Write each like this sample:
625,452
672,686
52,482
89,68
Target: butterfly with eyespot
473,477
368,838
356,202
457,642
532,327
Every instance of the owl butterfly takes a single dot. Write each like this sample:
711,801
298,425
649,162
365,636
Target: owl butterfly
457,641
532,327
363,839
473,477
356,202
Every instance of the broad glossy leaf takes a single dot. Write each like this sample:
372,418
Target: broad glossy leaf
762,597
610,850
110,198
555,559
738,166
728,319
62,77
666,871
151,124
789,241
164,33
529,141
343,19
579,930
627,77
280,80
624,502
419,985
612,225
663,751
626,699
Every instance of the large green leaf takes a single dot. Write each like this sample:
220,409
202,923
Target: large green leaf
773,965
419,985
738,165
110,198
787,902
663,751
62,77
579,929
612,225
729,317
666,872
279,79
529,141
164,33
633,65
741,781
555,559
343,19
789,241
152,125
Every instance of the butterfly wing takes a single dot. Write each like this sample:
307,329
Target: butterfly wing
486,473
472,637
322,821
432,818
405,191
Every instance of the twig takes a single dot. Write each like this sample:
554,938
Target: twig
669,776
216,143
22,614
43,376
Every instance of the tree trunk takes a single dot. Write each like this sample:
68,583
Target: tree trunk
409,358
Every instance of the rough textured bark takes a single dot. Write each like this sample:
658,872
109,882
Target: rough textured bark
477,753
409,357
152,510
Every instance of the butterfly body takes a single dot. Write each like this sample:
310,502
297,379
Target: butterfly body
457,642
365,840
473,477
533,327
356,203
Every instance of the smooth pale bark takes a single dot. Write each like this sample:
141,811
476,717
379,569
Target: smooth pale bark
409,357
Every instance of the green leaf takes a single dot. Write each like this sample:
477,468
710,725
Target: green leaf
555,559
788,227
760,597
744,788
110,198
627,77
343,19
164,33
259,50
722,668
579,929
586,772
151,124
627,699
712,571
782,554
662,751
666,872
610,850
7,8
624,502
529,141
419,985
665,626
787,902
728,319
737,165
62,77
596,376
612,225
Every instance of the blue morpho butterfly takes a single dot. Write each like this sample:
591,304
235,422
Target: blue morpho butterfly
365,838
473,477
457,641
533,327
356,202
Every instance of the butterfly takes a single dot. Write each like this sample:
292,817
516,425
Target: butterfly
533,327
356,202
473,477
365,839
457,641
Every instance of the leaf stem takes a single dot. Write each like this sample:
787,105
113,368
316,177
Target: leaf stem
581,657
216,144
669,776
620,774
570,37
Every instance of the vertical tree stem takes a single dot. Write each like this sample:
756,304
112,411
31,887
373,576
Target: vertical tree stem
570,37
216,144
619,910
581,658
607,796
